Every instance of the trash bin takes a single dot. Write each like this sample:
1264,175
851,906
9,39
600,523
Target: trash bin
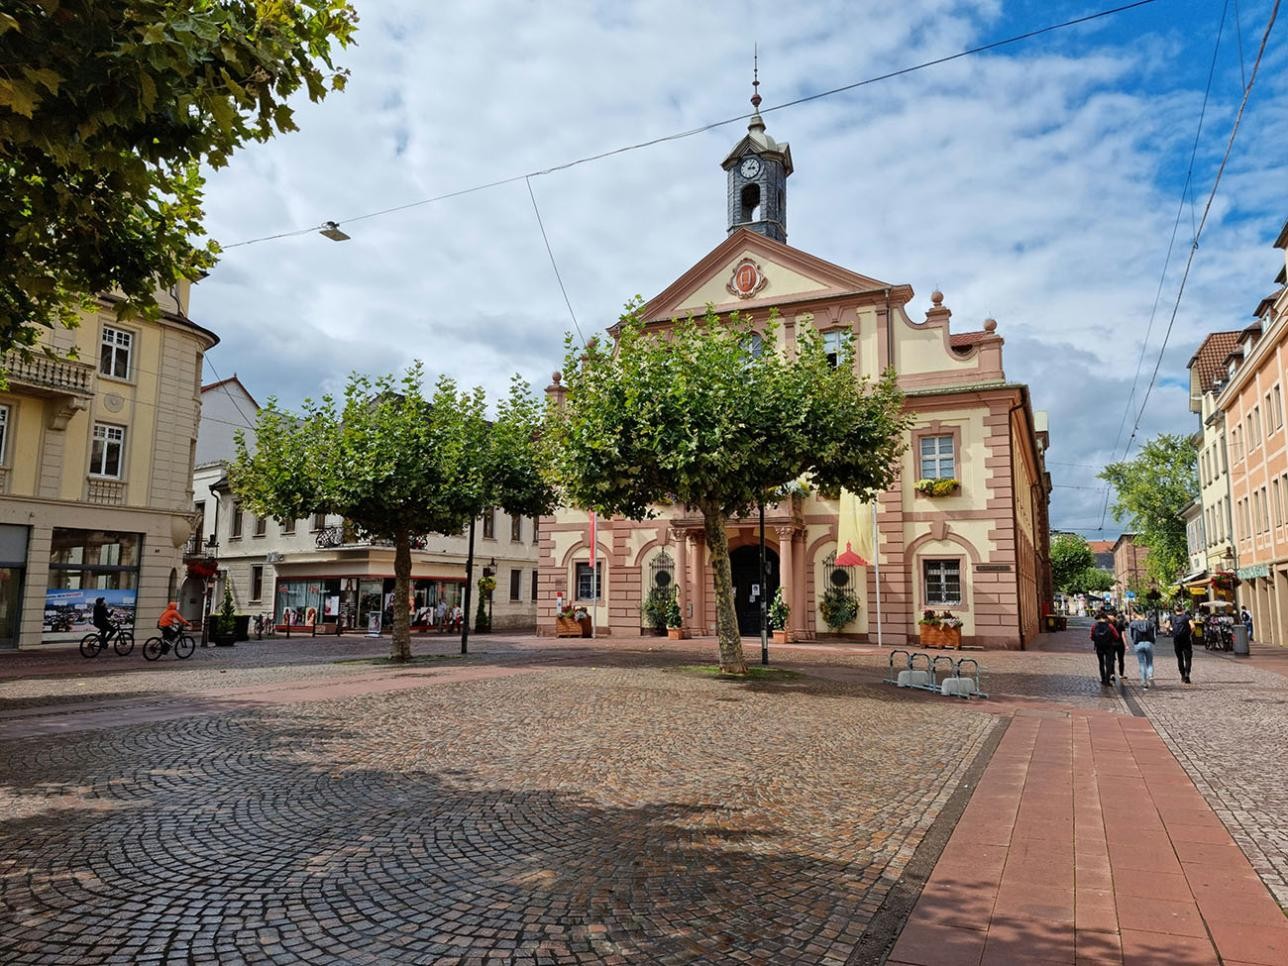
1240,635
243,627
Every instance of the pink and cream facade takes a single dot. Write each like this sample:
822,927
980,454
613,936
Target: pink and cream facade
979,549
1252,401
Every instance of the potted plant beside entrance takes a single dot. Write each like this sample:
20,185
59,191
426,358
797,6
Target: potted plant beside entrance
654,609
779,613
674,621
225,625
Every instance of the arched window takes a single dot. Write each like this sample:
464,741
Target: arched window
662,572
750,203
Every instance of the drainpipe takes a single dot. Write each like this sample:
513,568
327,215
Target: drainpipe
889,333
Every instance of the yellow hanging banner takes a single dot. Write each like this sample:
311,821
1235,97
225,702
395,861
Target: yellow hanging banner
855,543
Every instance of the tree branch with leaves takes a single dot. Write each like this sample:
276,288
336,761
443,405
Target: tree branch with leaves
1150,492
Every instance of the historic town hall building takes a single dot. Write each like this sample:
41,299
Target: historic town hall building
963,529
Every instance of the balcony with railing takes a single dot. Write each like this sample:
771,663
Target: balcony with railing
47,375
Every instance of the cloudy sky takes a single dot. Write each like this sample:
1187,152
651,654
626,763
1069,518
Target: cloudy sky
1037,184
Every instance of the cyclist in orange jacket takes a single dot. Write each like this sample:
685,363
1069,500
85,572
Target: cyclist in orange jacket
171,621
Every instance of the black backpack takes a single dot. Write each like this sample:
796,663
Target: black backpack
1145,633
1102,636
1181,630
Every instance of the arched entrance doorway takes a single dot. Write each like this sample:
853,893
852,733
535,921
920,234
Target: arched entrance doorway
745,566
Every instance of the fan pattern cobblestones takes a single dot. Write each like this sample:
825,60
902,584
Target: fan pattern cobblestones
586,814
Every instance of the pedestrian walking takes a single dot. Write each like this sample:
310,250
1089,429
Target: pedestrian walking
1247,621
1183,644
1142,642
1105,639
1120,649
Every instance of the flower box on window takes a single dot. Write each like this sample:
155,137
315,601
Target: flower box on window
944,486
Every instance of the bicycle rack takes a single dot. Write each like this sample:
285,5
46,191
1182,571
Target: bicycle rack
937,665
961,678
916,677
965,685
892,676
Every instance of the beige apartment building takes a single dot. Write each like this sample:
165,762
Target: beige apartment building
97,438
1212,576
1252,401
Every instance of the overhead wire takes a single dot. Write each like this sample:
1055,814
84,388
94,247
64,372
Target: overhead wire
1207,210
701,129
553,264
1171,243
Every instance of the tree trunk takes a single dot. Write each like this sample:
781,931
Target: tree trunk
731,659
400,649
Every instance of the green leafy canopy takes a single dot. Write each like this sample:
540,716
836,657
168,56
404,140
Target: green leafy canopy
108,109
1150,492
1071,556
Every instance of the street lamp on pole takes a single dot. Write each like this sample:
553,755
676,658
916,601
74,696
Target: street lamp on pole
764,592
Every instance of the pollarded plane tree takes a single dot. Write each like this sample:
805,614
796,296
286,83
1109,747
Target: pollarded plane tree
706,413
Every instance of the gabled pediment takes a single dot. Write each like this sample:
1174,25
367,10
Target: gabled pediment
780,275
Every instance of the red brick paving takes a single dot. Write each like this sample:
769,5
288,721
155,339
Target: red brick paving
1086,842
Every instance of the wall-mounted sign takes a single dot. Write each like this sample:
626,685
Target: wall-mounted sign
1253,571
992,568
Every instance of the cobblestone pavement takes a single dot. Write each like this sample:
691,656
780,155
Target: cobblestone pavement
572,814
1229,729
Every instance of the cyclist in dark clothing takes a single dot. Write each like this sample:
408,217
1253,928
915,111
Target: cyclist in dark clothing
102,621
1183,644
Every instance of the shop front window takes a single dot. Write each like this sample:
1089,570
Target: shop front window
85,565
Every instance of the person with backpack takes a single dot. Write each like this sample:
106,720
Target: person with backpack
1120,649
1142,639
1105,638
1183,644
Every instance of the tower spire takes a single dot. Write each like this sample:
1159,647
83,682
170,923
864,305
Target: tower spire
755,77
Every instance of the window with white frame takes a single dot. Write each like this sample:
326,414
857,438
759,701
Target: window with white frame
834,344
114,352
938,461
589,582
943,581
107,453
4,431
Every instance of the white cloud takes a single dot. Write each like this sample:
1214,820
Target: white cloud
1035,186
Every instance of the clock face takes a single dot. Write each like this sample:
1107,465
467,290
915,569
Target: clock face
750,167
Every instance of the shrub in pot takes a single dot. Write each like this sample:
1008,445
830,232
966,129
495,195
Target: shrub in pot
779,614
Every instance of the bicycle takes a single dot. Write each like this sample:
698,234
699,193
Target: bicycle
120,638
183,645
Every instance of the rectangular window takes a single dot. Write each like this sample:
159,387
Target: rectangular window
256,582
834,344
943,581
489,525
4,431
1274,501
937,462
261,526
1279,407
114,352
516,529
107,454
536,525
586,590
288,526
319,521
235,524
516,584
1225,465
534,585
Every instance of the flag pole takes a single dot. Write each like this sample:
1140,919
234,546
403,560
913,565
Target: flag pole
594,573
876,564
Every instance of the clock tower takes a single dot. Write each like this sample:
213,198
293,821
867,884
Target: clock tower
757,170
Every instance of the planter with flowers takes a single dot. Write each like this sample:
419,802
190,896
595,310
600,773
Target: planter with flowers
946,486
566,623
940,629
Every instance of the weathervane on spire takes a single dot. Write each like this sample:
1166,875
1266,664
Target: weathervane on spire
755,76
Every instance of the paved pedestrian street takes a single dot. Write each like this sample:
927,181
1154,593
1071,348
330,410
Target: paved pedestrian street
558,802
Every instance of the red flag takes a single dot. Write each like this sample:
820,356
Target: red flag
592,539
